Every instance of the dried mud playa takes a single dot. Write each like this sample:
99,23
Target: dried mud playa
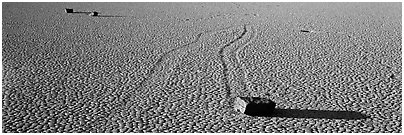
176,67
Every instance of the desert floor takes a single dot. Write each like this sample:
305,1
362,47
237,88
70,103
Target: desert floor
177,67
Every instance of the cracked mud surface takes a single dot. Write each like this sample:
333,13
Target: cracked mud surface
152,67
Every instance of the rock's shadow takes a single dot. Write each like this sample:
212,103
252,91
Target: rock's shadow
317,114
81,12
109,16
87,13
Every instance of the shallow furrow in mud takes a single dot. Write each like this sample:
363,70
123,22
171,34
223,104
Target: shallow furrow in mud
225,70
239,64
166,54
160,60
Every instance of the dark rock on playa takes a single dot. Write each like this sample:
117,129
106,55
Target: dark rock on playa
254,106
304,31
69,10
93,14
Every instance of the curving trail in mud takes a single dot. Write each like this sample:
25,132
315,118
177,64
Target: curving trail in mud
225,70
221,54
241,70
166,54
160,60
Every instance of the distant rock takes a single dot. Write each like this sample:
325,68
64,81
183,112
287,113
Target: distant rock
305,31
93,14
69,10
254,106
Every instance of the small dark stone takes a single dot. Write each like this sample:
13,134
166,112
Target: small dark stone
69,10
93,14
304,31
254,106
187,19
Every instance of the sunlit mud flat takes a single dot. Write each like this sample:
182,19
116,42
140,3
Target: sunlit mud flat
177,67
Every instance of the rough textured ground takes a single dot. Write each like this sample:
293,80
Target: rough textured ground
176,67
